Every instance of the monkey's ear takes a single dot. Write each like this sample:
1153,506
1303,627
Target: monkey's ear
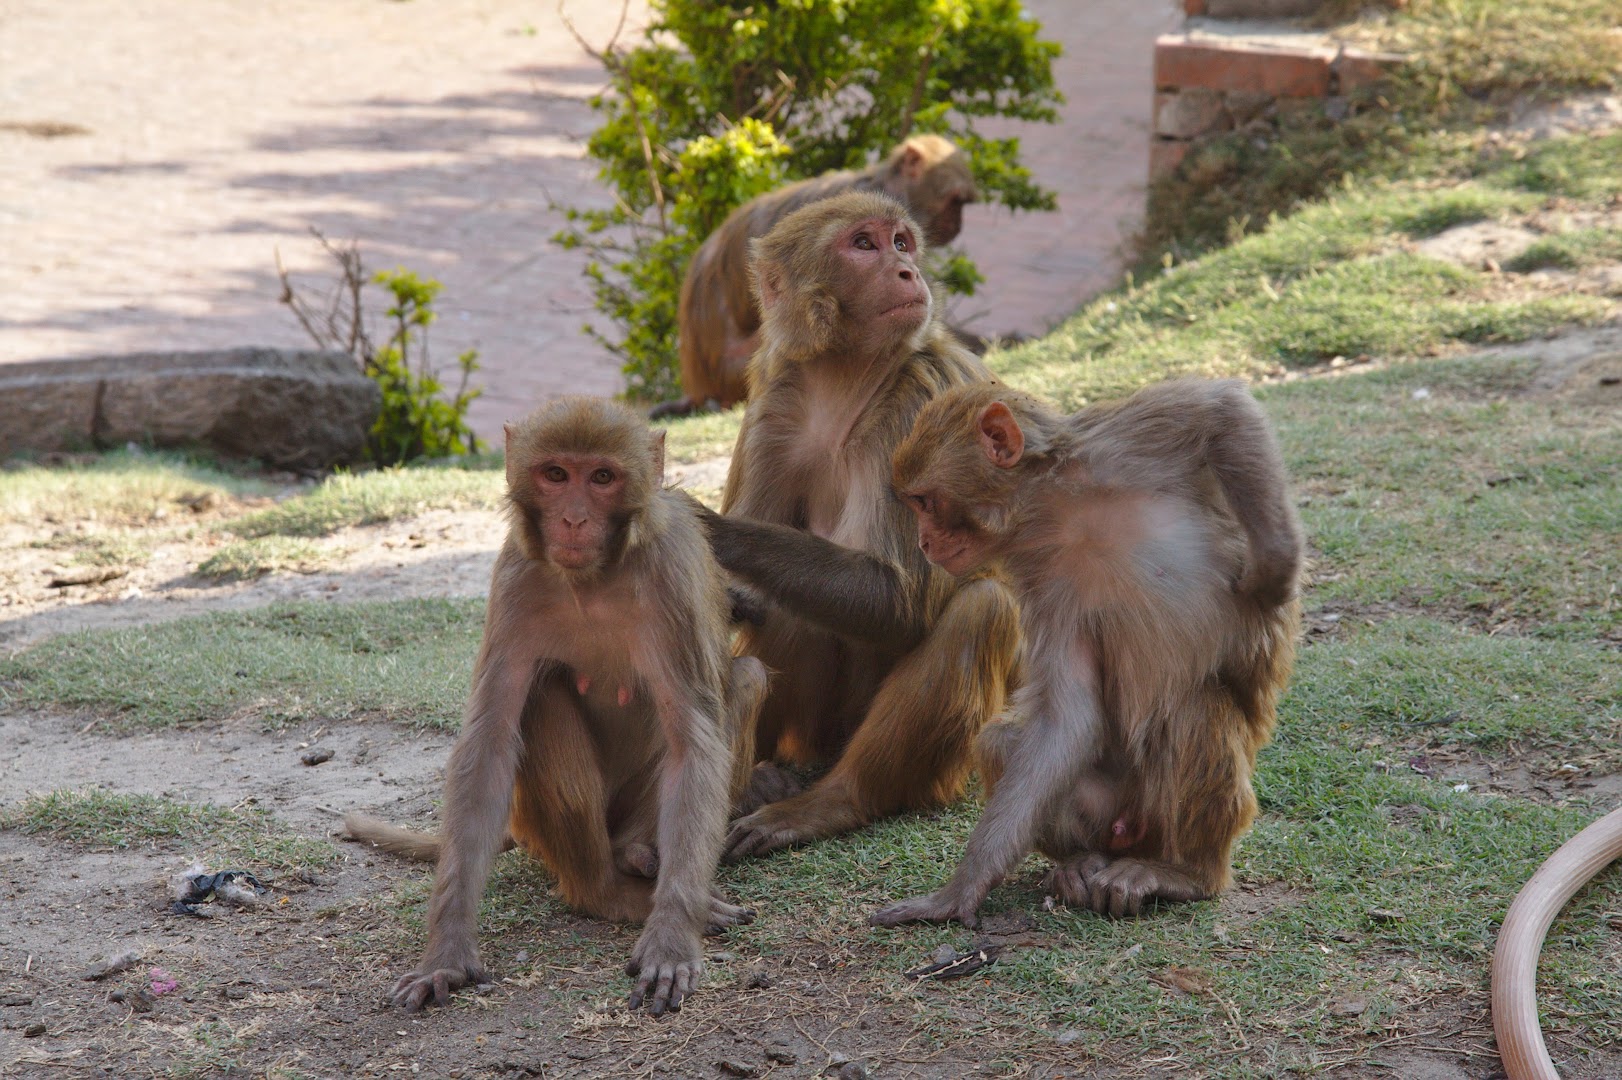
656,447
769,279
912,160
1000,436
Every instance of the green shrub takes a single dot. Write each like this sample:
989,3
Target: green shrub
721,102
417,419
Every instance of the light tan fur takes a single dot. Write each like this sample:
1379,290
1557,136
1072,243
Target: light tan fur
1156,556
608,728
718,317
884,666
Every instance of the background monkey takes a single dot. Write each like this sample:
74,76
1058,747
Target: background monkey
881,663
718,321
1156,555
608,726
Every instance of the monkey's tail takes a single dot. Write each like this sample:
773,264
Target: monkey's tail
423,847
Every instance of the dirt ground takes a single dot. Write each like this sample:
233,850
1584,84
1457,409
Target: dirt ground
292,988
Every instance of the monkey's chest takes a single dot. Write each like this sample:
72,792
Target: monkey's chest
840,493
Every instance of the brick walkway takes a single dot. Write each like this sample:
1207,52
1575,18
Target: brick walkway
433,132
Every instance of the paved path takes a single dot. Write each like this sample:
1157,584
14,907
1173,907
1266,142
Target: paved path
215,133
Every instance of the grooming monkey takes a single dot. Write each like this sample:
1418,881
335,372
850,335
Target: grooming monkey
718,321
1156,556
609,727
882,664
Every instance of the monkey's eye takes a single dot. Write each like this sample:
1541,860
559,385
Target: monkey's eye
603,476
864,241
555,474
901,243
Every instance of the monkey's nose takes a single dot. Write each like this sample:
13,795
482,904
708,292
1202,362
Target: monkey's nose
906,275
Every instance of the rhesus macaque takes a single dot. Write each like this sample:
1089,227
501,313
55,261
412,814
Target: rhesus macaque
1156,554
718,322
609,728
881,663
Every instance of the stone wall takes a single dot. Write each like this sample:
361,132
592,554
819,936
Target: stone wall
1238,60
287,407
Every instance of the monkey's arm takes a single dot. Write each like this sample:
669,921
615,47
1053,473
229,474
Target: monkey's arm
1247,461
693,799
1217,423
849,592
1064,719
478,796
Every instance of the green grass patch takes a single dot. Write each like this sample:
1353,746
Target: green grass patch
348,499
408,660
238,560
1447,485
103,821
119,487
1570,251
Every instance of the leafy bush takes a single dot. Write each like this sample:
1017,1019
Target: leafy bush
720,102
417,418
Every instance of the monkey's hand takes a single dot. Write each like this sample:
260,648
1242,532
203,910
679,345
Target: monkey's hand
666,964
724,916
942,905
1119,887
435,981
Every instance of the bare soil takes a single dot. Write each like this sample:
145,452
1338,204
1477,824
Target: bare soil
293,987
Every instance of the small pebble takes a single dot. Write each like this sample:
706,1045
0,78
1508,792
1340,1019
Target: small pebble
34,1030
316,756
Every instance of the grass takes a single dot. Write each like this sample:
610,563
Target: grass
241,559
102,821
119,488
409,660
351,499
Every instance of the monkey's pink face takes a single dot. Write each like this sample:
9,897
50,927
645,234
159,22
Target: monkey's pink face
948,539
886,285
581,499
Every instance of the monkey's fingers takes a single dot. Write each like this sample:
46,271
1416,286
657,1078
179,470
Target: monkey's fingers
723,915
669,983
753,836
937,906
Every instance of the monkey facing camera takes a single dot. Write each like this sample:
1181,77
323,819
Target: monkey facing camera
609,727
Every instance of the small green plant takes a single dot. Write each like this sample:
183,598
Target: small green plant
418,419
722,102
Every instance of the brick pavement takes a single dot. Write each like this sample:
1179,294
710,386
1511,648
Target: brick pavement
219,132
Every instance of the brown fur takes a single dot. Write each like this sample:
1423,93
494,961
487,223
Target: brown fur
603,679
884,665
1156,556
718,319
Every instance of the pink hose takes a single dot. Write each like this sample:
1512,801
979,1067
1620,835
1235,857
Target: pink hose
1520,940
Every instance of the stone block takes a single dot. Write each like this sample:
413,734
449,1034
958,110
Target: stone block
1358,69
1261,9
290,408
1165,155
1190,113
1234,64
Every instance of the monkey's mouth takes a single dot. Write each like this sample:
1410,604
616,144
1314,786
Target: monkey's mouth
573,557
899,308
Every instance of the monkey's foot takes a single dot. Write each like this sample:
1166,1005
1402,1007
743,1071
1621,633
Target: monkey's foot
1119,887
768,783
942,905
723,915
637,859
666,964
433,983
